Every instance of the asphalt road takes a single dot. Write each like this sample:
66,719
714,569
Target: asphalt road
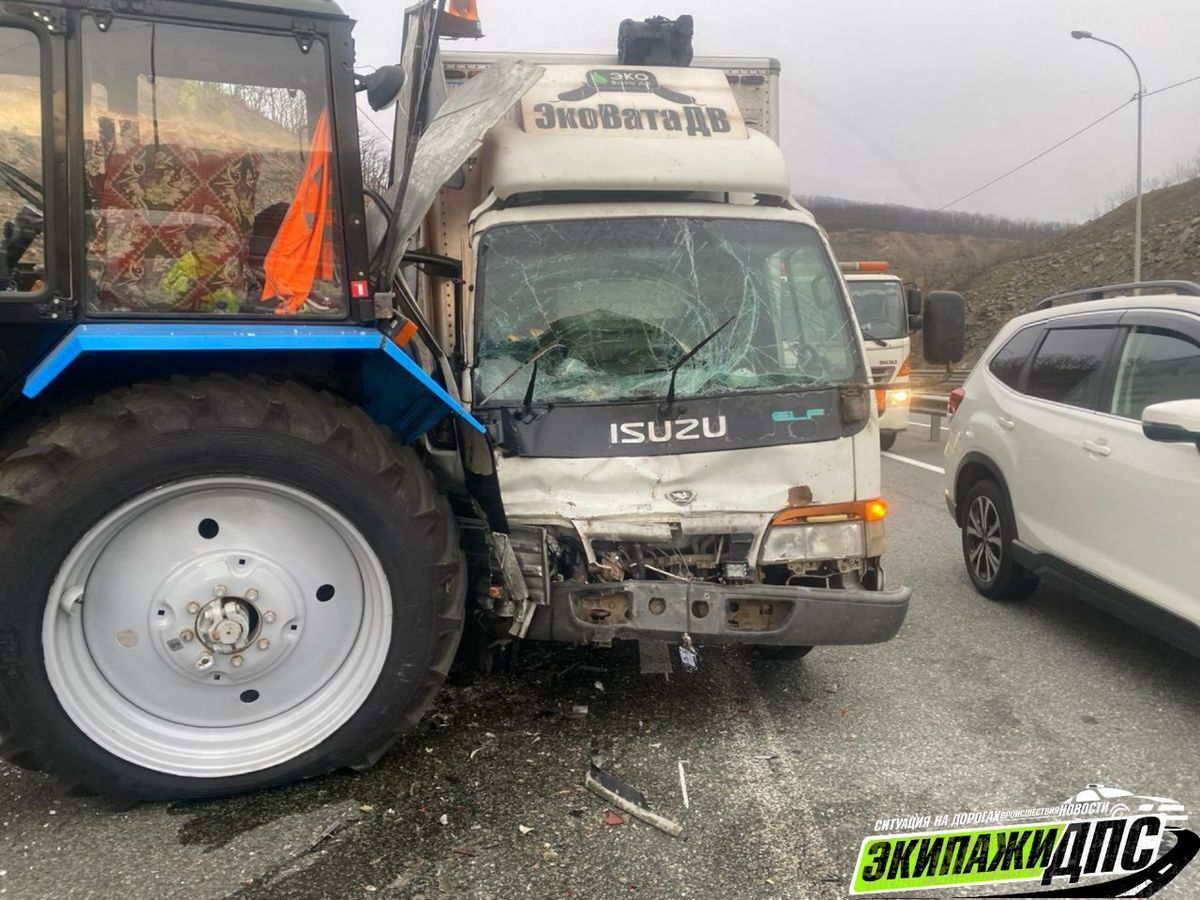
974,706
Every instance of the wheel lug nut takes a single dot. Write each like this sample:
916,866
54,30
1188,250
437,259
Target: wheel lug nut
186,635
219,590
251,595
263,643
193,608
268,617
236,661
204,662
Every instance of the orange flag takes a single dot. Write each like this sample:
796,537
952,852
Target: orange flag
302,251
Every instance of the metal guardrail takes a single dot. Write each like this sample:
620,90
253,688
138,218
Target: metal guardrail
939,376
934,406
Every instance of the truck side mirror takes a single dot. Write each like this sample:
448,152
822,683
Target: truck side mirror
945,327
915,323
1173,422
912,296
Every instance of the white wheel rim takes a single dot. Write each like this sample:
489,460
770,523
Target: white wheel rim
115,633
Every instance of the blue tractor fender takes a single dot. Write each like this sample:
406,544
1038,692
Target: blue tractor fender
403,395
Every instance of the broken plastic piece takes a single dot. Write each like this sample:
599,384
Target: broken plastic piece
688,657
611,818
628,799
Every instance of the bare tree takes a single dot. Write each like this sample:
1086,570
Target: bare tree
376,156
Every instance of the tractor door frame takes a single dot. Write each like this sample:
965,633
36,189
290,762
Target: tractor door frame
54,300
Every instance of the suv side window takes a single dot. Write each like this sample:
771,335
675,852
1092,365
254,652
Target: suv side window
22,198
1156,365
1009,361
1069,365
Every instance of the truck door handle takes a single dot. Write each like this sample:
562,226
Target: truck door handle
1006,422
1097,447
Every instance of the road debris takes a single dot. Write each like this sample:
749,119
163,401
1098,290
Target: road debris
628,799
464,851
683,786
476,750
766,756
444,819
599,685
688,657
524,829
579,711
612,818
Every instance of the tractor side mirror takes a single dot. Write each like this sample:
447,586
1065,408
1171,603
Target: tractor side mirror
912,296
945,327
382,86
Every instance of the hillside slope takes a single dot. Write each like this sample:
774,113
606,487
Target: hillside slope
1096,253
932,260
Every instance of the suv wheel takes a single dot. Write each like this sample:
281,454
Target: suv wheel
987,533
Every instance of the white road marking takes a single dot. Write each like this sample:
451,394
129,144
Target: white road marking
915,462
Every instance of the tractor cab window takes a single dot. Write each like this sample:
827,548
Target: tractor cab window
209,184
22,205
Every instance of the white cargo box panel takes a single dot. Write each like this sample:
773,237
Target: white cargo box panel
754,81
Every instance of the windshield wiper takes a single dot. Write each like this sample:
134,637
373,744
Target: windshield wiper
532,361
870,337
679,362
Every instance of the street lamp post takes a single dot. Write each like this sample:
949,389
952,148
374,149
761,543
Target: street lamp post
1137,222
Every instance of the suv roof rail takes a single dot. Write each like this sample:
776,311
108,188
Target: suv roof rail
1097,293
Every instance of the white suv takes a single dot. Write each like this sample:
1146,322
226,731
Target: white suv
1074,450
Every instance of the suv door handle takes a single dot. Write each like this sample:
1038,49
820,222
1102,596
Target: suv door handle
1006,422
1097,447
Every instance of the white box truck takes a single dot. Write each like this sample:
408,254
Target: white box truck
682,432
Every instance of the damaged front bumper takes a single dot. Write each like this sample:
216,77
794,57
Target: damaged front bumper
719,614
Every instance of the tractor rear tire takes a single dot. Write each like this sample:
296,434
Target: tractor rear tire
217,585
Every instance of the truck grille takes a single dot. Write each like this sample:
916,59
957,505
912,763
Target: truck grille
882,374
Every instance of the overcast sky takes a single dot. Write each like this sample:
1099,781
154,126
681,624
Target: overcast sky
916,101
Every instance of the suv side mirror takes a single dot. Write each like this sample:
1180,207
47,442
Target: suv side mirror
945,327
1173,422
912,297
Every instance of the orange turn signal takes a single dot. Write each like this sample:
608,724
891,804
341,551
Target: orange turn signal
866,510
404,333
906,366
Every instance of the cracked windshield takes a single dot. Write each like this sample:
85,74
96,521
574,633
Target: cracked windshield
601,310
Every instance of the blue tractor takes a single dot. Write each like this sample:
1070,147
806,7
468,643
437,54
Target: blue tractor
225,564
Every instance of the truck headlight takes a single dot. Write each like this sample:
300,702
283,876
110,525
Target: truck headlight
897,398
830,540
833,531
